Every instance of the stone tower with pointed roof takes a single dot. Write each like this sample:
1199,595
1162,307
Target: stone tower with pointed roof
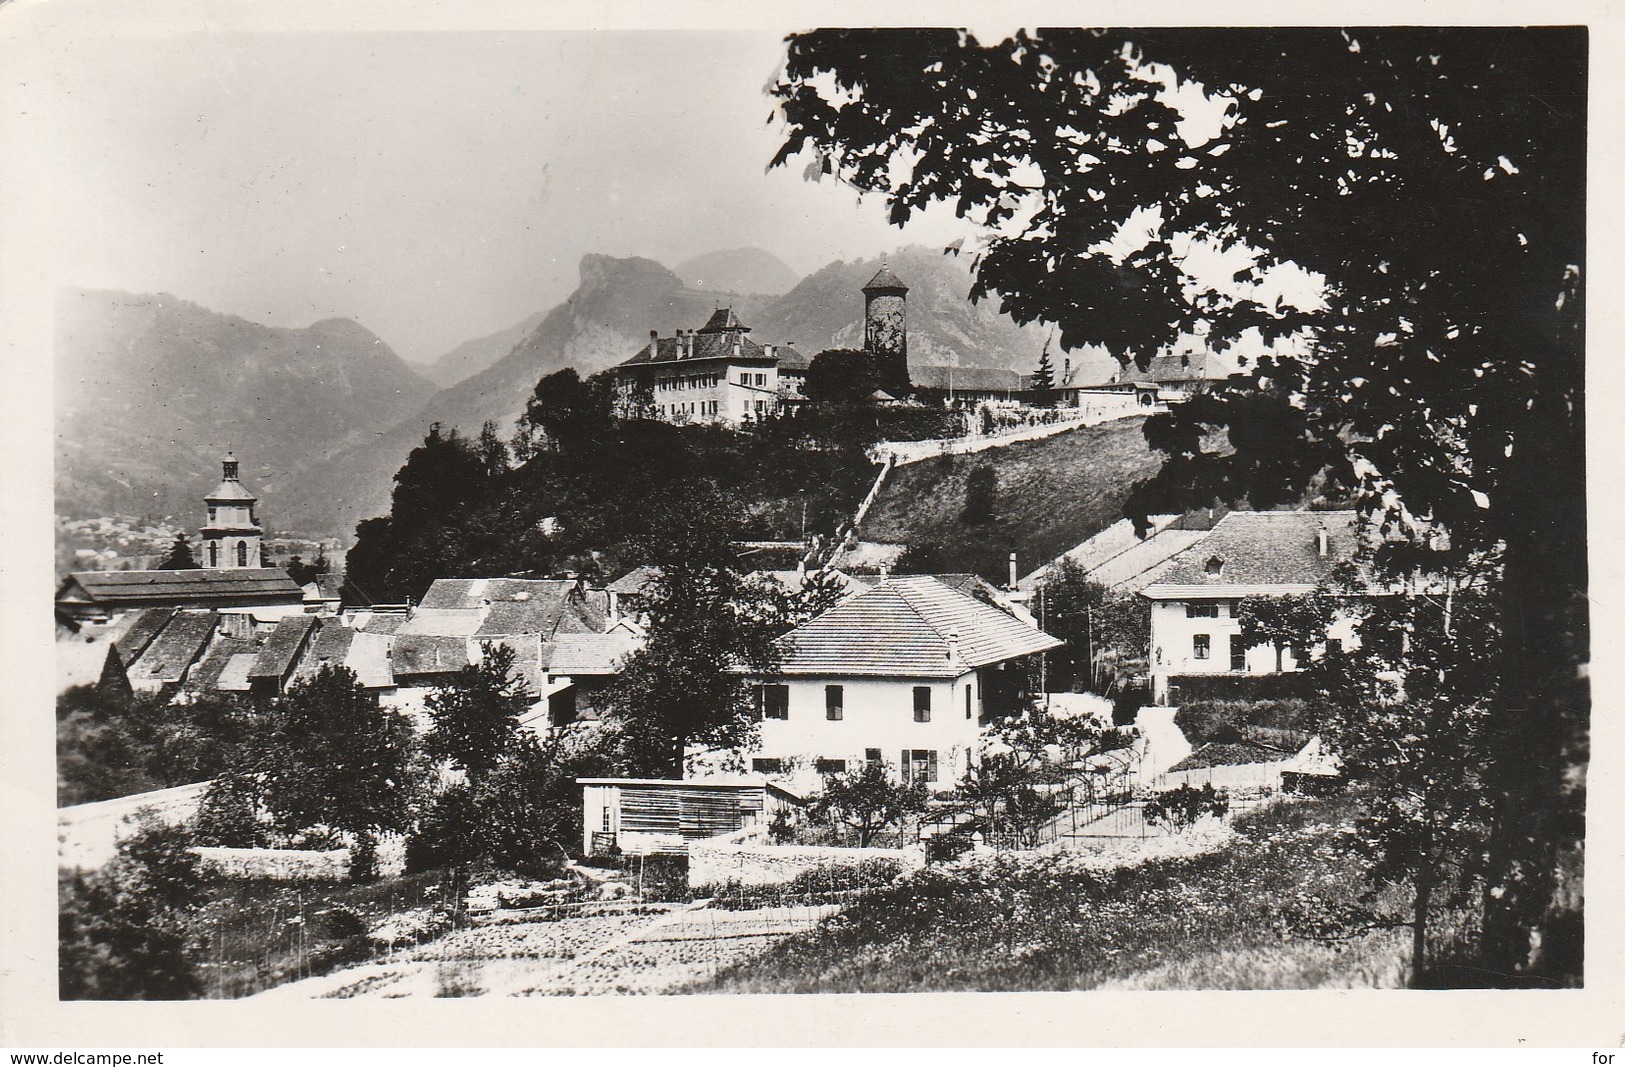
231,536
885,329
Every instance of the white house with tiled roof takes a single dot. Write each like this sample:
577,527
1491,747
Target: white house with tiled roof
906,672
713,374
1194,629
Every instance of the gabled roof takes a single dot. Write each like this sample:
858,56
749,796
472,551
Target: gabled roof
504,607
1231,754
139,631
426,654
175,648
369,657
329,646
443,622
902,628
591,654
208,674
723,319
1191,366
974,379
247,582
234,678
282,645
717,346
636,582
1258,550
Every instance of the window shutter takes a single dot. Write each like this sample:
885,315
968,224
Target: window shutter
906,774
931,765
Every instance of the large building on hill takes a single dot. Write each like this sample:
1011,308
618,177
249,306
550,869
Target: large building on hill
713,374
718,374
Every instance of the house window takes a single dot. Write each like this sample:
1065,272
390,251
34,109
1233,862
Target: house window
1201,646
214,553
761,406
922,703
775,701
829,766
761,379
1238,653
213,514
919,764
871,755
1215,567
834,702
242,553
1205,610
767,766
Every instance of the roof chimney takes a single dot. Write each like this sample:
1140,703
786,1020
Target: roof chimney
1323,539
1013,576
953,646
885,572
654,344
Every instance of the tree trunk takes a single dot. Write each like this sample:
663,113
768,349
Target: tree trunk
1419,921
1542,713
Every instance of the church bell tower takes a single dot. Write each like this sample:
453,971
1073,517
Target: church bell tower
231,537
885,329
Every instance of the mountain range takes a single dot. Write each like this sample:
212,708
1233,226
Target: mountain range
151,388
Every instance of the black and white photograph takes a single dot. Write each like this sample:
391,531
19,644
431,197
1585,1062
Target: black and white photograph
675,510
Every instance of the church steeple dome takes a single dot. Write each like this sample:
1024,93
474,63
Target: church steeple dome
231,536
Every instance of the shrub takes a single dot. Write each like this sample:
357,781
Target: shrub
1278,722
448,833
1182,808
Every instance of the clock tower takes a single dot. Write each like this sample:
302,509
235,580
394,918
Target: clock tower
231,536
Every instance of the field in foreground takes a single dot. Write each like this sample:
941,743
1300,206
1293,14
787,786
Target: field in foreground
1221,920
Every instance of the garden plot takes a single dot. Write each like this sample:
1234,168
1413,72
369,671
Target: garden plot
692,947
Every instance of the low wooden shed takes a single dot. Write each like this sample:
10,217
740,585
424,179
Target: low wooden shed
651,816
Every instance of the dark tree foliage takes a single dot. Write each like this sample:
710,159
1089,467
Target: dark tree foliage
475,716
334,759
124,932
1044,380
842,376
1107,634
868,800
575,503
112,742
1433,177
981,496
710,629
180,556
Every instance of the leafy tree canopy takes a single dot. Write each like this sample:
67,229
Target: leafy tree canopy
1432,182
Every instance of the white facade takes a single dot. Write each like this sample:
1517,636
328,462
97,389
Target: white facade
877,720
721,391
1203,636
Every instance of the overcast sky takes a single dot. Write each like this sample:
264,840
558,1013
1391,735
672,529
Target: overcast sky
432,186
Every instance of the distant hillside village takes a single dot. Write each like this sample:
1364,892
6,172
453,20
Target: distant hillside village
775,712
905,670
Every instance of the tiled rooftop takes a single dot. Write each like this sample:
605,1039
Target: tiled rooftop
902,628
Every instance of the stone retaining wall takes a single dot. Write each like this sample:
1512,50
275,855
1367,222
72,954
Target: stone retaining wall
718,862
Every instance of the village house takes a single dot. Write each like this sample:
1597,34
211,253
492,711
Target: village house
1194,628
906,672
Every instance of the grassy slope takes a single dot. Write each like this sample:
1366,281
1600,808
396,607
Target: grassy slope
1208,922
1050,494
